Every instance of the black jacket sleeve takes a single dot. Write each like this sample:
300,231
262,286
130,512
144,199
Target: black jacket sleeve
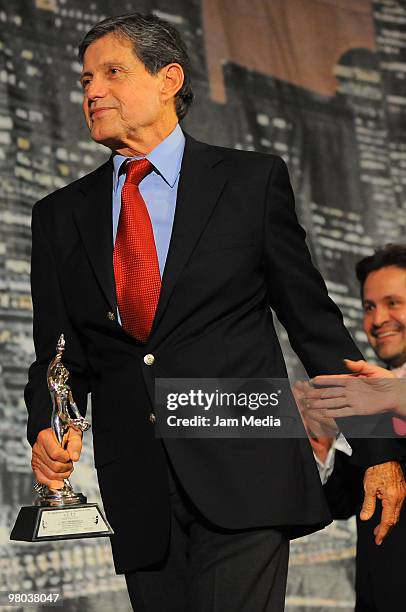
50,321
314,324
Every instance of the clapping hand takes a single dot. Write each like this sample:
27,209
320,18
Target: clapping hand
368,390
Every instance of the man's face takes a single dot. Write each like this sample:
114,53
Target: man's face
121,98
384,303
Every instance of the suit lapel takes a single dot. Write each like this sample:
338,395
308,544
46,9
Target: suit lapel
93,216
200,185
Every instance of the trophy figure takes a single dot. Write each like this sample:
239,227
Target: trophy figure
61,421
60,513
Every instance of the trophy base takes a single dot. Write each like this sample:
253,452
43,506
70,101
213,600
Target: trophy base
41,523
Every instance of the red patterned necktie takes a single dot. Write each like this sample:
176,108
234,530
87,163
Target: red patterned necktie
135,261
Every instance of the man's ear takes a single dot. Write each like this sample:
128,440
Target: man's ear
172,76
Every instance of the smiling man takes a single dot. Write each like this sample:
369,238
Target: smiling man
383,282
165,262
379,570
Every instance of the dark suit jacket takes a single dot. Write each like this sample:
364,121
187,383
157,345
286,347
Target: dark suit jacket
236,250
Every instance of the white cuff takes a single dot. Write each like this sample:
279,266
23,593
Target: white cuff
326,468
342,445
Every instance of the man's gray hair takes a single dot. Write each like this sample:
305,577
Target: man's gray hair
156,44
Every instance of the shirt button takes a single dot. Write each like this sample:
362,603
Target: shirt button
152,418
149,359
111,316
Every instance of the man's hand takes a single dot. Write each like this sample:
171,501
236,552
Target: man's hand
321,435
320,428
50,462
385,482
368,390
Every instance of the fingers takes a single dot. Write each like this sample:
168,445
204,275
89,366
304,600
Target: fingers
329,380
368,507
47,471
316,425
46,476
46,439
42,458
299,389
333,414
42,479
314,394
331,396
323,428
356,367
74,446
389,518
391,506
50,463
371,486
322,399
327,404
366,369
380,532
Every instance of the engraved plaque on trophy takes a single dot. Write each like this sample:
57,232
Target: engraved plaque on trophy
60,514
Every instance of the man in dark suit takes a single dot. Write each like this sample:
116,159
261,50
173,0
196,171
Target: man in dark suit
379,582
163,267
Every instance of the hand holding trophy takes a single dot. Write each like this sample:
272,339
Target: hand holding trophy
61,421
60,513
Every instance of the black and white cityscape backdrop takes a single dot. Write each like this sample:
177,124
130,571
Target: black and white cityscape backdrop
321,83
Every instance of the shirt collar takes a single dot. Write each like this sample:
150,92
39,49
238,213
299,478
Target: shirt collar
166,157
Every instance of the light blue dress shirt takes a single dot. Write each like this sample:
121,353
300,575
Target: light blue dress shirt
159,189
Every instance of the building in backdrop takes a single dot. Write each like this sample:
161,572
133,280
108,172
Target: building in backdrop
321,83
